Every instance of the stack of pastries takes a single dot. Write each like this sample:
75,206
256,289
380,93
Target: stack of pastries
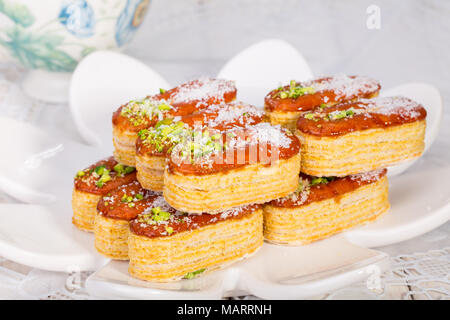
199,180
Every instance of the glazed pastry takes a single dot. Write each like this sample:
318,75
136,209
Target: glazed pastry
115,211
211,173
285,104
91,184
322,207
155,143
361,136
168,245
185,99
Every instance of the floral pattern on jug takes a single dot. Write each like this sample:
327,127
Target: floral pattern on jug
55,36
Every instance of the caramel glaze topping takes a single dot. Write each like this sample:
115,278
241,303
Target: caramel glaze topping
87,180
261,143
326,91
178,222
133,203
333,189
360,115
185,99
126,202
215,118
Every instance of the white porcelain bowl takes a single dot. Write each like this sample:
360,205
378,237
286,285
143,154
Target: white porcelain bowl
51,37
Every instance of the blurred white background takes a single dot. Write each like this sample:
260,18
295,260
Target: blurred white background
411,44
183,39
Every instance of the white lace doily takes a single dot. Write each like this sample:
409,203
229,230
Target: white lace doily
424,275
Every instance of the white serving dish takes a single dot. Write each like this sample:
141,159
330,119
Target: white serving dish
40,166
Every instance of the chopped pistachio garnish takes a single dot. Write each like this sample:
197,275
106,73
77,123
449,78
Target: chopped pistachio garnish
164,107
321,180
99,170
165,133
129,199
103,174
123,170
129,169
159,215
295,90
201,144
139,196
336,115
154,216
312,116
118,168
300,186
80,174
139,112
169,230
191,275
161,91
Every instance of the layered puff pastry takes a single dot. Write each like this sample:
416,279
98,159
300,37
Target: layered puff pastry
361,136
322,207
156,143
285,104
91,184
185,99
167,245
246,165
115,211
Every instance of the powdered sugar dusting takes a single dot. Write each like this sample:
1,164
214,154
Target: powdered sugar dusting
171,218
235,111
345,86
205,150
370,176
202,89
266,133
406,108
159,201
299,197
231,212
262,133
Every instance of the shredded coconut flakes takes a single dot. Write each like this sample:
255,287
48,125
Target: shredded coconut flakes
345,86
202,89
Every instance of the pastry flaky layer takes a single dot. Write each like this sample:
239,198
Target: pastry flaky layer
255,183
111,237
361,151
164,259
287,119
84,207
320,219
124,142
150,171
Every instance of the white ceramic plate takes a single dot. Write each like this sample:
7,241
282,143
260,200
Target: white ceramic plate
39,171
100,84
274,272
